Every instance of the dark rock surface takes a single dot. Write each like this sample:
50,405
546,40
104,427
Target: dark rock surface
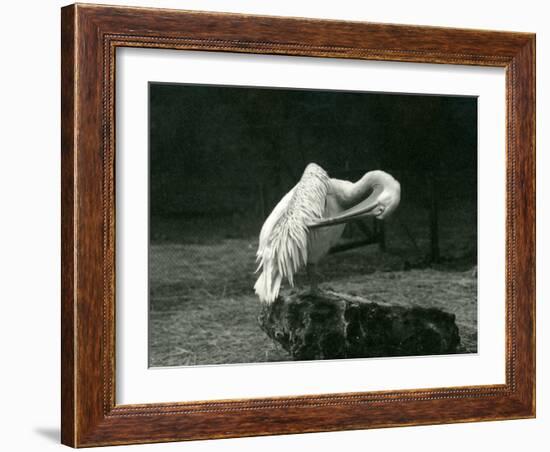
332,325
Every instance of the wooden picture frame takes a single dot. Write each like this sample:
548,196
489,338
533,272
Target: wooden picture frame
90,36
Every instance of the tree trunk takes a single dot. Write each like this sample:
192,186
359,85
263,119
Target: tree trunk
333,325
434,220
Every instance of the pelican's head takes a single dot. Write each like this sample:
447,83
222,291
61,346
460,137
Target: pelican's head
385,201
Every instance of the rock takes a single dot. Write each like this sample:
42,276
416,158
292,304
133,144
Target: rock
332,325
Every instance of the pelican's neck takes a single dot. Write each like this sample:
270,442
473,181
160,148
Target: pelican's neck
350,194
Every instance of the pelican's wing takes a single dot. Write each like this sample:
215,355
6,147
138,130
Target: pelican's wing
283,241
272,219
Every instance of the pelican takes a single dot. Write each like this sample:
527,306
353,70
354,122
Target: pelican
310,219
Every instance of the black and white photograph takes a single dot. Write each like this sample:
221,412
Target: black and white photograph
298,224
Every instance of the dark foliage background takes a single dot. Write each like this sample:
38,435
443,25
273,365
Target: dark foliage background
212,148
222,157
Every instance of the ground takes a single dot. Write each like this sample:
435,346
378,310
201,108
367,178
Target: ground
203,309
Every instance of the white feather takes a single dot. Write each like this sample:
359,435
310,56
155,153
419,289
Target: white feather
283,243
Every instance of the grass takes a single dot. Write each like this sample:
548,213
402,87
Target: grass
203,309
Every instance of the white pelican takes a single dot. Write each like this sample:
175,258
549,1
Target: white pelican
297,232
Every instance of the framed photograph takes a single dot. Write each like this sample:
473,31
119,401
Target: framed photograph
280,225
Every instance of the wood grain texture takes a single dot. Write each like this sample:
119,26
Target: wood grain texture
90,36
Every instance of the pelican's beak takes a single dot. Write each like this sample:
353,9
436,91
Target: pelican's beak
368,207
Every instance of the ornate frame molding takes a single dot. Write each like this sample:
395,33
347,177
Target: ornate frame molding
90,37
